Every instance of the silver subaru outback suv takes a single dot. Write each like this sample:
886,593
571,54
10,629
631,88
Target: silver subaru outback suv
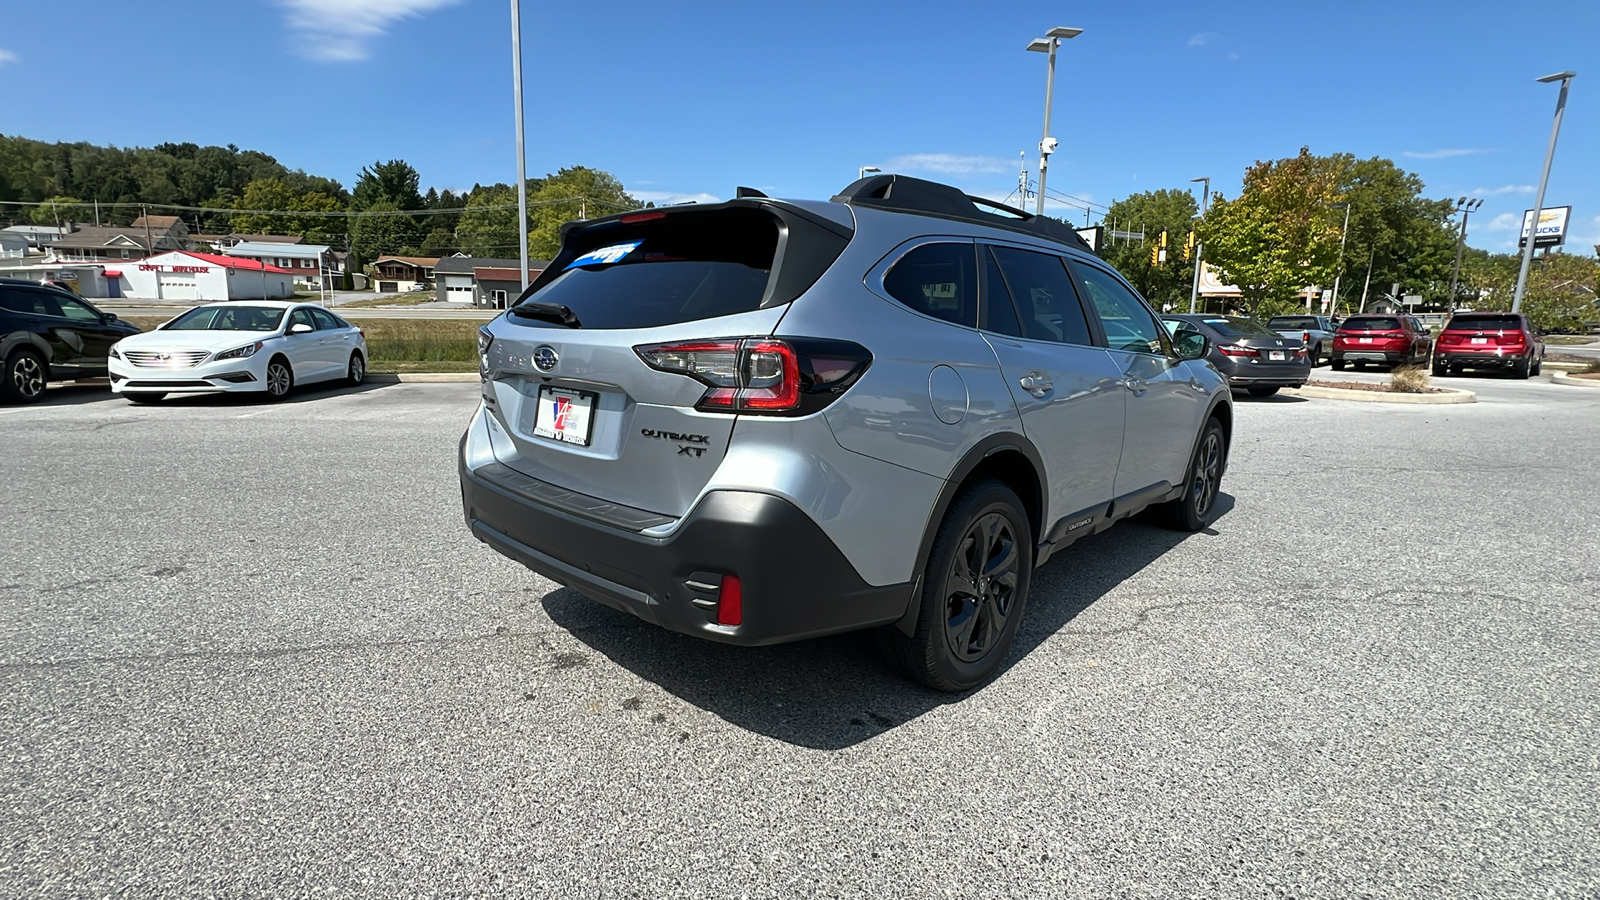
765,420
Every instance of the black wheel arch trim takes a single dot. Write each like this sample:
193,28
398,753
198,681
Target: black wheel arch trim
989,446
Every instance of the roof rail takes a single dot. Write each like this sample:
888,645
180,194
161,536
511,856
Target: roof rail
901,193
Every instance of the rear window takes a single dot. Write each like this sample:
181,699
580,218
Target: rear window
1376,323
1239,326
1485,323
679,268
1288,322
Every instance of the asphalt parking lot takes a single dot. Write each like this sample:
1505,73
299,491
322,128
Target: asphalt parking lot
250,650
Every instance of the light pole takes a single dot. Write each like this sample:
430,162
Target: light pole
866,170
1344,232
1199,246
1466,208
1544,178
1047,145
522,157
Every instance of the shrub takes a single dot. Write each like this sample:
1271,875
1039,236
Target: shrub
1409,380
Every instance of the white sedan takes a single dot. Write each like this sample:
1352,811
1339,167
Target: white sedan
266,346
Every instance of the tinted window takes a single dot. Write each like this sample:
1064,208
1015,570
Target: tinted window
227,318
1240,326
937,280
677,269
325,320
302,316
1047,304
999,315
79,311
25,300
1373,323
1485,323
1128,322
1289,322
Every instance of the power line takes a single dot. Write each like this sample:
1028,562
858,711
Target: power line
337,214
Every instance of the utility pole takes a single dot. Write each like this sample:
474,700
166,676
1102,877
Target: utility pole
1466,208
1368,283
1344,232
1544,179
522,157
1199,247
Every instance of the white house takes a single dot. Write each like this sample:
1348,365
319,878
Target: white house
201,277
313,265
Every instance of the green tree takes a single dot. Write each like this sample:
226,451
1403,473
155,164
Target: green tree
1152,211
394,181
274,207
1560,294
574,193
1405,236
439,242
488,225
1279,235
382,229
61,210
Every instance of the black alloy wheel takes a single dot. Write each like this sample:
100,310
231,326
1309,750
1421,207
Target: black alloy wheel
25,377
1197,507
974,590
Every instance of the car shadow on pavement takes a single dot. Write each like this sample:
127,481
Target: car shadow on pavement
301,394
76,393
834,692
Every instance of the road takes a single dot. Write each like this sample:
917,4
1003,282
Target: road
250,649
427,312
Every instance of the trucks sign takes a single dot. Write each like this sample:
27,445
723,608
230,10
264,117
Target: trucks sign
1552,230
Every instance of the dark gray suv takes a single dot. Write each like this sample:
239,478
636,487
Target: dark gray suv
764,420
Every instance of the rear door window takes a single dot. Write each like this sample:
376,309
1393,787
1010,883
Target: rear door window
937,280
680,268
1046,302
326,321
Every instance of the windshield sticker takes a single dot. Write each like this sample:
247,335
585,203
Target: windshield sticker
605,256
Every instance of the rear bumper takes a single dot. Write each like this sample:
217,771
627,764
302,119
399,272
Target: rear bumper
1478,360
1383,356
795,582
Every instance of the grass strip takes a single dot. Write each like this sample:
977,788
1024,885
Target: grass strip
426,342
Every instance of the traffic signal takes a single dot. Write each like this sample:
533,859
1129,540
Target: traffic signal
1188,247
1155,254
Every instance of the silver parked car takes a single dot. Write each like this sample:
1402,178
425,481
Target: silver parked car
765,420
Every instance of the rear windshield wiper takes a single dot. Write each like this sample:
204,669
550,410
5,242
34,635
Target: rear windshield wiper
547,312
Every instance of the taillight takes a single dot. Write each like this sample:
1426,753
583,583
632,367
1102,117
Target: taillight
774,376
1301,352
1513,339
1238,350
1305,338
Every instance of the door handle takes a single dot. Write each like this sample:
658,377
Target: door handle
1135,384
1036,383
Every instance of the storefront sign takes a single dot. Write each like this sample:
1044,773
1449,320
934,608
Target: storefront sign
198,270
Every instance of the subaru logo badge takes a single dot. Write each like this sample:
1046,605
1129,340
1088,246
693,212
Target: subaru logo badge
545,358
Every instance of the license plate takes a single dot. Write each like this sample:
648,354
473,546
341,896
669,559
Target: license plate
1365,340
565,415
1275,355
1480,340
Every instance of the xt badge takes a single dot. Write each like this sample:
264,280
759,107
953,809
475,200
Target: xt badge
694,445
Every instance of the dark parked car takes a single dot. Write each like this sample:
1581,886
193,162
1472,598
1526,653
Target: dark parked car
1393,340
1489,340
49,334
1250,355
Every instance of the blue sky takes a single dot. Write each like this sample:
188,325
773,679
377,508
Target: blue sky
686,100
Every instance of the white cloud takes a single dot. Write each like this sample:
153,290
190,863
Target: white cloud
1203,38
1504,189
949,164
1504,222
1233,56
1442,154
6,56
667,198
343,30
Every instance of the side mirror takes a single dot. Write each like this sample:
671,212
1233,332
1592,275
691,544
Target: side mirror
300,328
107,318
1190,344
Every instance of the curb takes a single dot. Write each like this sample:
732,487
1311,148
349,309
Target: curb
1558,378
1565,366
424,377
1451,395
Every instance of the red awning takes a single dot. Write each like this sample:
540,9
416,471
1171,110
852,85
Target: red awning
113,273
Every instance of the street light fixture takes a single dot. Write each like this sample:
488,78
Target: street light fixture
1344,232
1544,179
1047,145
1466,208
868,170
1199,246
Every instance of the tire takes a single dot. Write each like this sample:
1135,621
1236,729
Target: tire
974,591
1316,356
1538,367
1338,365
356,371
25,377
1440,371
1520,369
1202,482
145,398
1263,391
280,378
1360,365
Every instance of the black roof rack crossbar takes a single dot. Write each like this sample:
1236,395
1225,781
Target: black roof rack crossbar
902,193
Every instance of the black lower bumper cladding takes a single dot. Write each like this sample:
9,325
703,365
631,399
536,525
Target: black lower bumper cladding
795,582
